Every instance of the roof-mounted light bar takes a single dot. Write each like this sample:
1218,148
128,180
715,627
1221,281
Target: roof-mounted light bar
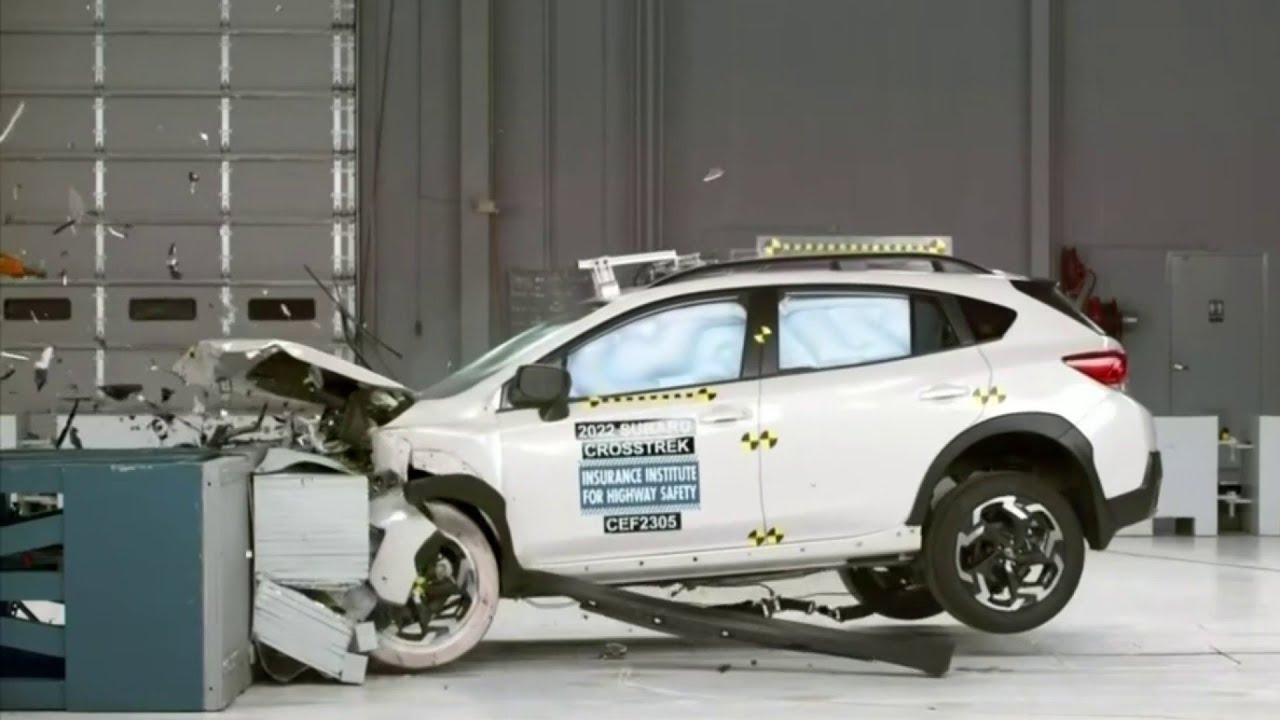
606,284
779,245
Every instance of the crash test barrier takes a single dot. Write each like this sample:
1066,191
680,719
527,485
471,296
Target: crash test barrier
148,553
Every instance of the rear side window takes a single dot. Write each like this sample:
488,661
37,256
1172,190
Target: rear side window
987,321
1047,292
818,330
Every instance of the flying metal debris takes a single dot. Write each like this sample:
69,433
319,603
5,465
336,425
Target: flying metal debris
172,262
42,367
13,120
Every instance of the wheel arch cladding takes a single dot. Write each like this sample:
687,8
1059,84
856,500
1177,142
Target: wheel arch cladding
483,504
1051,440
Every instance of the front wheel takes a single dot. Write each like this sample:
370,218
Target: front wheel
1004,553
453,602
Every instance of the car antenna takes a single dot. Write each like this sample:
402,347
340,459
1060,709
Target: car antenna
346,317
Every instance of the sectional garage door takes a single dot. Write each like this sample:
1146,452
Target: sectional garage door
173,168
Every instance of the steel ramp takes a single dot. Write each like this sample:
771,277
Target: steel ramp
931,656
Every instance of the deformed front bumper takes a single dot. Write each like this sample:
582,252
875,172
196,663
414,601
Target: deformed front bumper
1136,505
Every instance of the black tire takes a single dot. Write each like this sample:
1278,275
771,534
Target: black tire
968,561
890,592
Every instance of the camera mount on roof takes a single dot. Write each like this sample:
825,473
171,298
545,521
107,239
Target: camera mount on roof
662,262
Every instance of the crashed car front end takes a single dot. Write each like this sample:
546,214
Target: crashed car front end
371,424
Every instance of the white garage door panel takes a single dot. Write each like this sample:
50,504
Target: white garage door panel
72,253
143,254
282,251
284,15
44,14
283,189
162,125
293,125
65,62
202,15
78,329
45,188
162,191
70,375
203,126
150,369
173,63
49,124
295,62
124,303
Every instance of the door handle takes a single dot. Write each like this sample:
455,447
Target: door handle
724,414
944,392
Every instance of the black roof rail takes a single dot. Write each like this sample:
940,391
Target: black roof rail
835,261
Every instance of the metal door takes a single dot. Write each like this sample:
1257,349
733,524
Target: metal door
1217,330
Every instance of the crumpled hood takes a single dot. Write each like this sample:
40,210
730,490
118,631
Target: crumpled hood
283,369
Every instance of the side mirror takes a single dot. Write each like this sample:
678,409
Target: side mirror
545,387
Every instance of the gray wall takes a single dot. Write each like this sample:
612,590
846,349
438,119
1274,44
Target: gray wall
1126,128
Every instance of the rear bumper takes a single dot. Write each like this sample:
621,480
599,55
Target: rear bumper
1134,506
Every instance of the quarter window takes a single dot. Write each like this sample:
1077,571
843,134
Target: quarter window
678,347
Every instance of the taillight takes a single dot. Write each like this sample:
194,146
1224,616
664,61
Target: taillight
1109,367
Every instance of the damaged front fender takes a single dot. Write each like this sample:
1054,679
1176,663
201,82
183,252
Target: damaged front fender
405,529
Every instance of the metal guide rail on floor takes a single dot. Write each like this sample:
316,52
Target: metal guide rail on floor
747,623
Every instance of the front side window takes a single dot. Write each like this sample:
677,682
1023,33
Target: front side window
826,330
677,347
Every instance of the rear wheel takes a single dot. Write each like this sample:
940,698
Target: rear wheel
453,602
1004,553
894,592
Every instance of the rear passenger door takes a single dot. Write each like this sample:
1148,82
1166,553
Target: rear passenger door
861,388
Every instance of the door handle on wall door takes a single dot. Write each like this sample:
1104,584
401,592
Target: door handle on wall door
722,414
944,392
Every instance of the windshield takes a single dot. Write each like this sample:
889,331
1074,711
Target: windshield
482,367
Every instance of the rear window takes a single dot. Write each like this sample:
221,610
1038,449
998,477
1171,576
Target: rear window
987,321
1047,292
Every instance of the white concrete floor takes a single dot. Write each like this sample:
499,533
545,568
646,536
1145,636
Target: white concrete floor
1160,628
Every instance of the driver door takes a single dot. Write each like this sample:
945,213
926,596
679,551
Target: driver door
649,460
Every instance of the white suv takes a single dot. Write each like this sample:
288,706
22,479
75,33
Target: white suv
945,437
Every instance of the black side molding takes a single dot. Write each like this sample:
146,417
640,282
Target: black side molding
929,655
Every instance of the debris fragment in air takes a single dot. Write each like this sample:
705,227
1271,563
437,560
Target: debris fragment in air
14,356
713,174
13,120
17,188
193,177
205,137
42,367
172,262
74,436
285,309
116,232
166,394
